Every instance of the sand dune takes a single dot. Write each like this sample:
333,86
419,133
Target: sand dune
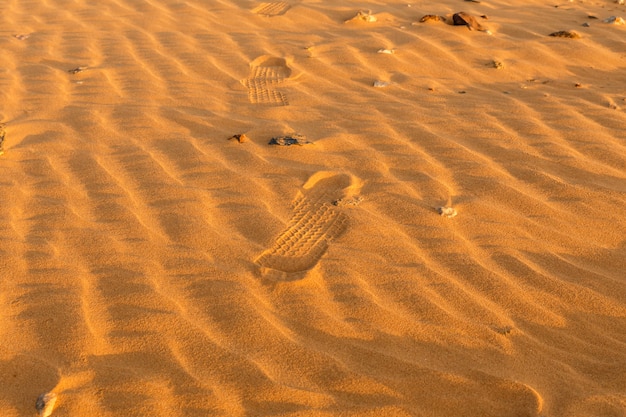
150,266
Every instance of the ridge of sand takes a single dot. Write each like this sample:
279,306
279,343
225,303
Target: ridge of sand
149,266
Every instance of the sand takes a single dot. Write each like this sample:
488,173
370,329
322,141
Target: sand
149,266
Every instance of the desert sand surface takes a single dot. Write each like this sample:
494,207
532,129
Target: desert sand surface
150,266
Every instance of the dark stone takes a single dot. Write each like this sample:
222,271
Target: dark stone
289,140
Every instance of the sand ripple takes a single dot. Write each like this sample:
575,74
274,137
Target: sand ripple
149,266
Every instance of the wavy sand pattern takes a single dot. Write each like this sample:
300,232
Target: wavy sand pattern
149,266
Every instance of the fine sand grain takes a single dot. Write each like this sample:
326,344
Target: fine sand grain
151,267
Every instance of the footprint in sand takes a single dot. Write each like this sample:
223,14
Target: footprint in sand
315,222
266,73
276,8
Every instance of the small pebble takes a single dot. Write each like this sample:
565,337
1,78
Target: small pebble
433,17
615,20
239,138
45,404
352,201
448,212
381,84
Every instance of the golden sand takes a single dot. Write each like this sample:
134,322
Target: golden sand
149,266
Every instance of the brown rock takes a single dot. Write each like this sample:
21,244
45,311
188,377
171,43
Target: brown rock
239,138
464,19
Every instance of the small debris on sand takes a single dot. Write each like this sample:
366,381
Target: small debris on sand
45,404
77,70
2,134
565,34
351,201
614,20
386,51
22,36
448,212
239,138
432,17
381,84
505,330
363,16
294,139
497,64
